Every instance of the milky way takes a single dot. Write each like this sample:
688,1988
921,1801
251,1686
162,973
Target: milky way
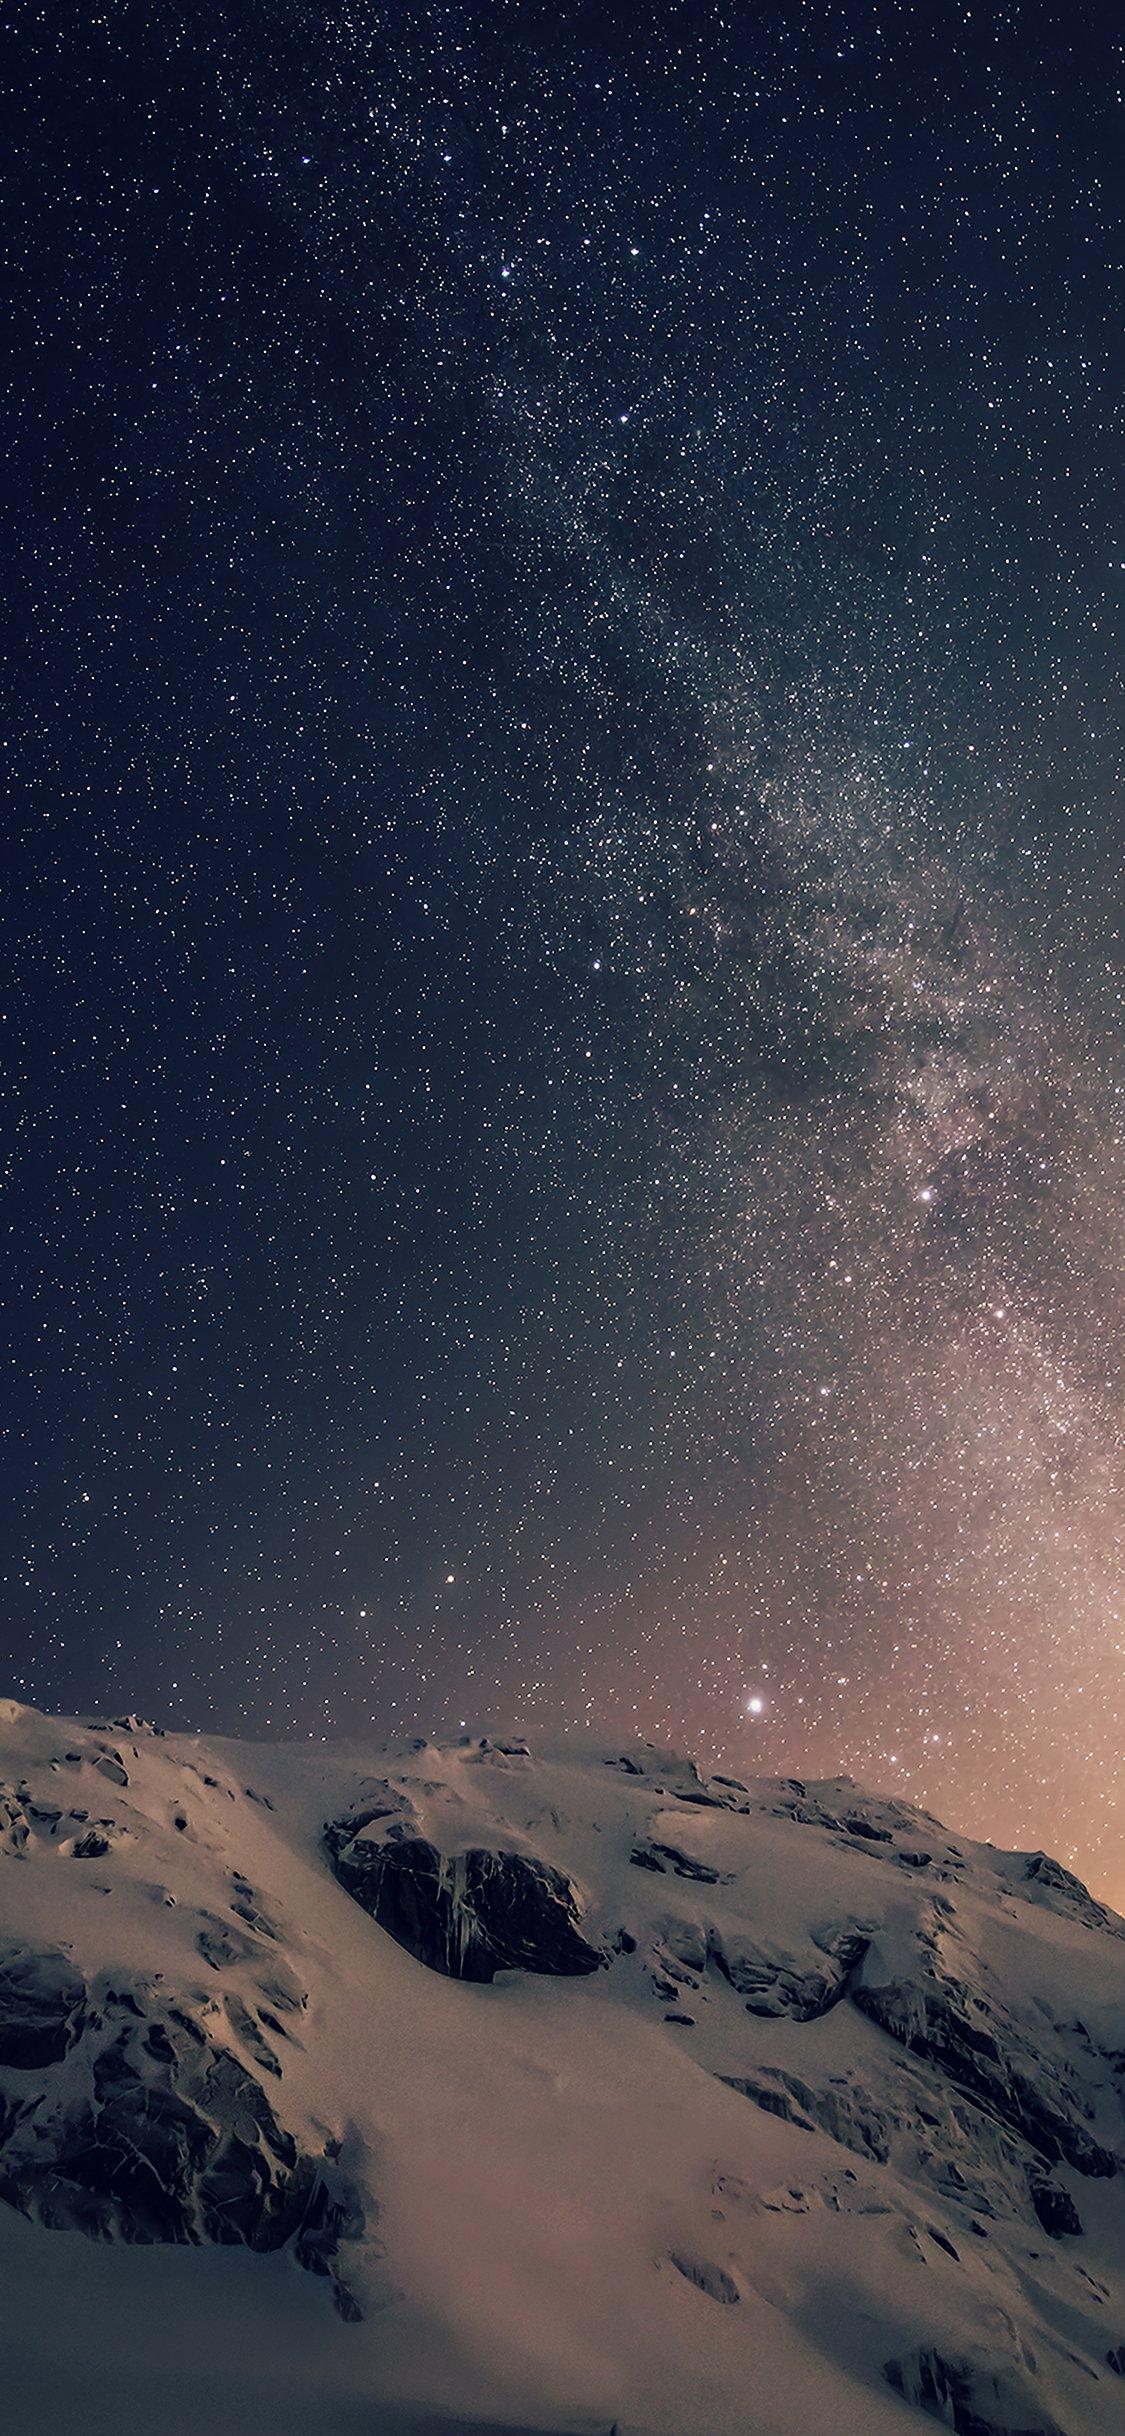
562,969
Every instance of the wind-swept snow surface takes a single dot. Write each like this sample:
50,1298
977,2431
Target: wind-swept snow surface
432,2089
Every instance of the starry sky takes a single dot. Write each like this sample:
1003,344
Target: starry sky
561,963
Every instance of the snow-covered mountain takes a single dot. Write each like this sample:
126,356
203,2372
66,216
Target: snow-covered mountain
436,2089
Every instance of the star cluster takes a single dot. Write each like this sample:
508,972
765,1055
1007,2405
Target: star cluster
562,951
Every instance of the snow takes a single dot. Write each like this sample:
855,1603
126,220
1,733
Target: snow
574,2217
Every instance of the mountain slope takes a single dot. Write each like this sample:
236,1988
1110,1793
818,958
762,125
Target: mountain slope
426,2089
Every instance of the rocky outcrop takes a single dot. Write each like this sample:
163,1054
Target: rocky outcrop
783,1985
970,2394
124,2119
42,2008
706,2277
469,1914
956,2029
1053,2205
971,2161
1046,1881
847,2114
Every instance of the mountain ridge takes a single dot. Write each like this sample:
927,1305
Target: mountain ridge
592,2088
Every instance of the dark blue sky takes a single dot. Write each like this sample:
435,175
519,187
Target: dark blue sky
561,954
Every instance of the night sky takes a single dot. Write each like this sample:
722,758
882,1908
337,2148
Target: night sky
562,960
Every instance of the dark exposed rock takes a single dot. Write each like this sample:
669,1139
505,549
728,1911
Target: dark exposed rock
110,1764
92,1846
221,1945
469,1915
246,1906
42,2007
955,2029
686,1866
14,1828
845,2113
1053,2206
1050,1883
970,2394
162,2137
714,2281
775,1984
642,1857
1115,2359
969,2158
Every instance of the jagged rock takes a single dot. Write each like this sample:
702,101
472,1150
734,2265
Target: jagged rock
162,2137
964,2154
1115,2359
956,2029
1049,1882
1053,2206
776,1985
14,1828
42,2007
846,2114
469,1915
970,2394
